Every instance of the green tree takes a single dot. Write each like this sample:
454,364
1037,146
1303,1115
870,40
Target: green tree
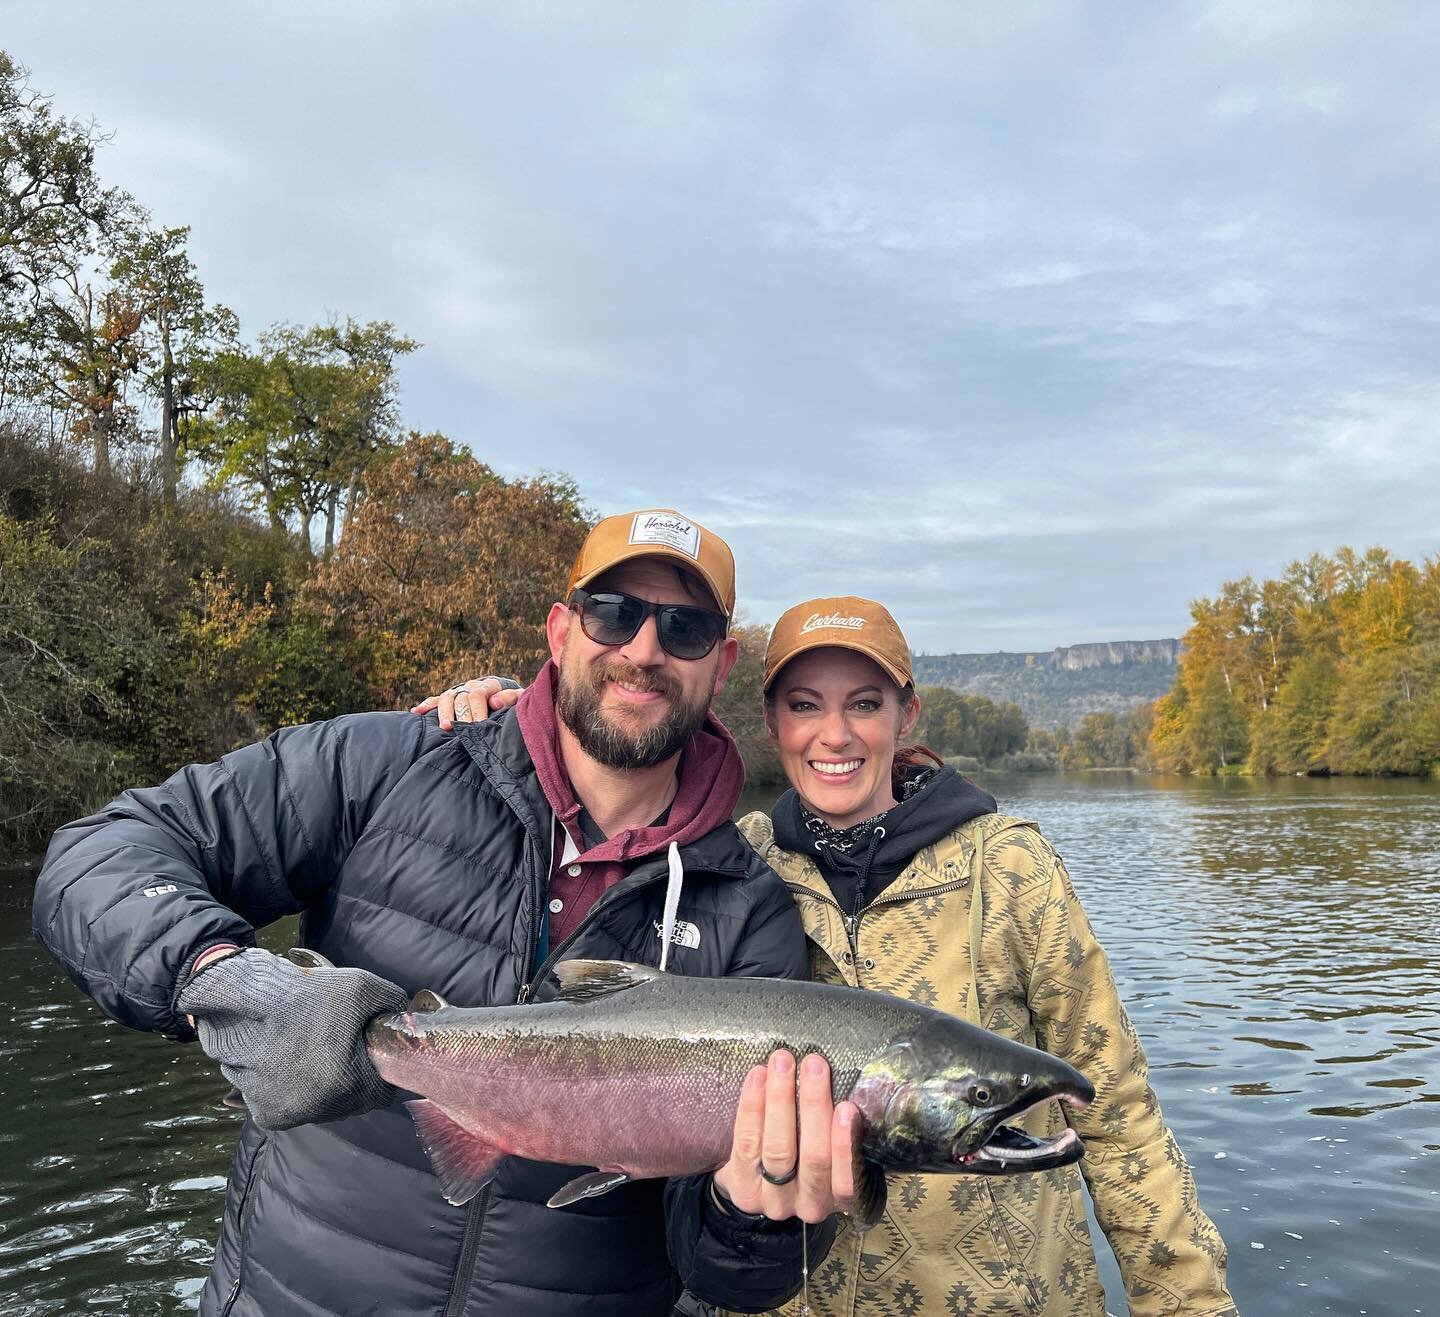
298,422
1291,738
945,722
1217,735
740,706
1101,740
158,278
52,208
1384,713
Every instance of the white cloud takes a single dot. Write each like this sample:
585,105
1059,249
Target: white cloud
1039,320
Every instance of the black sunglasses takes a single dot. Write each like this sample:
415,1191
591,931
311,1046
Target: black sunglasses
614,619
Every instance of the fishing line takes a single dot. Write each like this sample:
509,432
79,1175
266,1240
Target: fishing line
804,1270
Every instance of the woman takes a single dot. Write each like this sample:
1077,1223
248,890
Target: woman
909,882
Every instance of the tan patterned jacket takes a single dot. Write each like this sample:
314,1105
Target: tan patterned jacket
971,1245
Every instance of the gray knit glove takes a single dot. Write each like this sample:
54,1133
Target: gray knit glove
291,1040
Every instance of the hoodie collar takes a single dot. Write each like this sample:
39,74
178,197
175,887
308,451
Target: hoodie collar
945,802
710,776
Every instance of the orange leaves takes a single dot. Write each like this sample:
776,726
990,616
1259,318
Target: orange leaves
446,569
1314,670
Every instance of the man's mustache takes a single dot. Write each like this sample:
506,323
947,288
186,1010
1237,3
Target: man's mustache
636,678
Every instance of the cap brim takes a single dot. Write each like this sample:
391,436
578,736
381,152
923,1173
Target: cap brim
901,679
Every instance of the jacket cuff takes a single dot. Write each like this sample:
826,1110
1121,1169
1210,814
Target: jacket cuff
183,1032
739,1229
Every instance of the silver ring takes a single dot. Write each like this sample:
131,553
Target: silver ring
778,1180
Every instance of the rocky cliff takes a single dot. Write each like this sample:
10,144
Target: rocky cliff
1058,687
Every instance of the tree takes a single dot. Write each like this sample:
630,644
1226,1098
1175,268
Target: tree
1101,740
1383,720
970,725
51,209
70,643
945,723
297,422
1216,732
1292,736
446,567
740,706
159,280
93,345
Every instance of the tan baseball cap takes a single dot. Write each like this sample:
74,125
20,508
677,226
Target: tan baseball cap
658,533
843,621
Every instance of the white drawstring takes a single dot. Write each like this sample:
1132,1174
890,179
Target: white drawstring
672,903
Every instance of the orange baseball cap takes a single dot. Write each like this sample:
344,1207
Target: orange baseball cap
846,622
658,533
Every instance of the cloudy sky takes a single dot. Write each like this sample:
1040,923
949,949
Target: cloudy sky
1033,321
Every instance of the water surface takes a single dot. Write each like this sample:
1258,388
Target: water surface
1277,942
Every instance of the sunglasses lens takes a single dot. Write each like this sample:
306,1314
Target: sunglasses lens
688,633
611,619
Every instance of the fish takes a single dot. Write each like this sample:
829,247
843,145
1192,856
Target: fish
638,1073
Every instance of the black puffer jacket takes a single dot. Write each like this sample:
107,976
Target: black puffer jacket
421,856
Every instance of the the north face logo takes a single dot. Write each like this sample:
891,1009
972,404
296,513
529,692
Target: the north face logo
684,934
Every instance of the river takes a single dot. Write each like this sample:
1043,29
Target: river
1277,942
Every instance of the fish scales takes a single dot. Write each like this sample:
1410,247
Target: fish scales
658,1087
638,1073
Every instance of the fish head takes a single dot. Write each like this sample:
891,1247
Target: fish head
943,1104
402,1044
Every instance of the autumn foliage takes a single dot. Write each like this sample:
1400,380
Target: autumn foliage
1334,667
446,569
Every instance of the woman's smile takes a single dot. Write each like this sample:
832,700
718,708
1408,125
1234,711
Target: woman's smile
836,718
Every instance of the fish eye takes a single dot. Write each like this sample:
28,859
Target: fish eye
980,1095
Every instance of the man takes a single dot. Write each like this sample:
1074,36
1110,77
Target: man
466,862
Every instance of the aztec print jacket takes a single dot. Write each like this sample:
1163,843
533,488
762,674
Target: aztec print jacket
971,1245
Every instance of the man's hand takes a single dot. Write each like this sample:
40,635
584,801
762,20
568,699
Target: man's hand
819,1157
291,1040
473,702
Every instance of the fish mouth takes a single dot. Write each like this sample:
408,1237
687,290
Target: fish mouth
1006,1149
1009,1150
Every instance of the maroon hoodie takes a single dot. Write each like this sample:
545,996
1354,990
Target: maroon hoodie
710,774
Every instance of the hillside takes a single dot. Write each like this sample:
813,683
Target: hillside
1058,687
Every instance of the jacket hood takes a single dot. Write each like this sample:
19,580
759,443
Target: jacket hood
945,802
710,777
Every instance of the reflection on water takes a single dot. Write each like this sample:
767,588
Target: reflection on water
1277,944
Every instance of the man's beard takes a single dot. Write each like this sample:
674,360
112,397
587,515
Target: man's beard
577,701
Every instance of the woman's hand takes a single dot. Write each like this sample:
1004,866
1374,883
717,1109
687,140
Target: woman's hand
473,702
818,1158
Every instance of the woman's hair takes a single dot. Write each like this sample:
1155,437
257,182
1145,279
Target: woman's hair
910,756
906,757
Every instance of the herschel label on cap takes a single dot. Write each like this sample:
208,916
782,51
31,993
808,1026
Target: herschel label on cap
667,529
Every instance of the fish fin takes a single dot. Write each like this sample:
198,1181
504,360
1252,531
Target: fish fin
585,980
588,1186
870,1193
463,1162
308,959
425,1000
234,1099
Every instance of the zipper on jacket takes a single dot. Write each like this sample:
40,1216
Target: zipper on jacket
474,1223
255,1163
608,899
852,922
